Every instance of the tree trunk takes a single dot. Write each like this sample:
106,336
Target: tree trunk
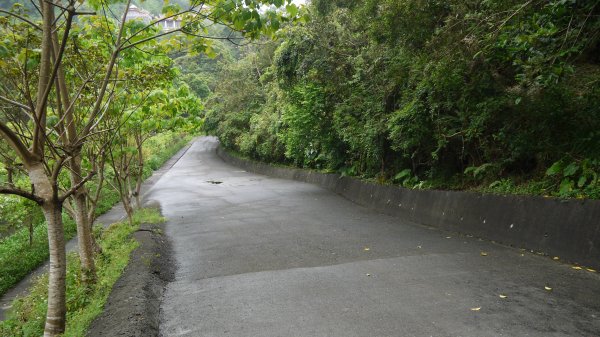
52,209
127,194
140,176
128,209
30,226
56,315
84,228
93,199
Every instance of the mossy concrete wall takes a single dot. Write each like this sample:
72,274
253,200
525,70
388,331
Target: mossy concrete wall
569,229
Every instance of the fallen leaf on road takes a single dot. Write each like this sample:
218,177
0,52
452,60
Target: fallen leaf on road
484,254
367,249
576,267
502,296
448,237
419,247
547,288
476,309
591,270
556,258
368,274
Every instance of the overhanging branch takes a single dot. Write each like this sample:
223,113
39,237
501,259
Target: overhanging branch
21,193
22,18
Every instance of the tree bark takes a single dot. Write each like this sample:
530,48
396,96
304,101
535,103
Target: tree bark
127,199
30,226
45,188
57,310
140,175
85,241
52,209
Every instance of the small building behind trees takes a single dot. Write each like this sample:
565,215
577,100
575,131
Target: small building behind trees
137,13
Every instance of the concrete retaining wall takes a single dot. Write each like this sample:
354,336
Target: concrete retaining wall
569,229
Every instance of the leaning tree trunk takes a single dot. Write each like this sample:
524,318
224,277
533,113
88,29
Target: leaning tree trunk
52,209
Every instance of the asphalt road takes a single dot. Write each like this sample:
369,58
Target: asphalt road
258,256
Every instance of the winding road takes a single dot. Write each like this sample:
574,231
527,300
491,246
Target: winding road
258,256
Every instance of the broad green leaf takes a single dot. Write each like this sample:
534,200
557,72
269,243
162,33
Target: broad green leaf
554,169
582,180
570,169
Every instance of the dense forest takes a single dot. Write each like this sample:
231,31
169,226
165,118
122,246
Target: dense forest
498,96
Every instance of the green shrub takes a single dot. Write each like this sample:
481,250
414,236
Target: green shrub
463,94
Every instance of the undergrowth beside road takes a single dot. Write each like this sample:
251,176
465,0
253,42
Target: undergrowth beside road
18,258
83,303
493,96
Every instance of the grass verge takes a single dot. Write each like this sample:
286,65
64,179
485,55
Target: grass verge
18,258
83,303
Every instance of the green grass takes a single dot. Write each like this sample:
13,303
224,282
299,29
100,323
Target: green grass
83,303
18,258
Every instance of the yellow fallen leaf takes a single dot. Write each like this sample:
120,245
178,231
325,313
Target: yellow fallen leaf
576,267
476,309
547,288
367,249
591,270
484,254
502,296
556,258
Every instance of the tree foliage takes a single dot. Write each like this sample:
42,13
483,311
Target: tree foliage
445,94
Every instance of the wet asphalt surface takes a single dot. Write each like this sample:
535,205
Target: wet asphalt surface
258,256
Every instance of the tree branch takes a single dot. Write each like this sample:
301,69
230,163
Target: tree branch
78,186
21,193
15,103
58,57
22,18
149,39
15,142
109,70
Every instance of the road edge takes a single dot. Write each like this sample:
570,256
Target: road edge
567,229
133,306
